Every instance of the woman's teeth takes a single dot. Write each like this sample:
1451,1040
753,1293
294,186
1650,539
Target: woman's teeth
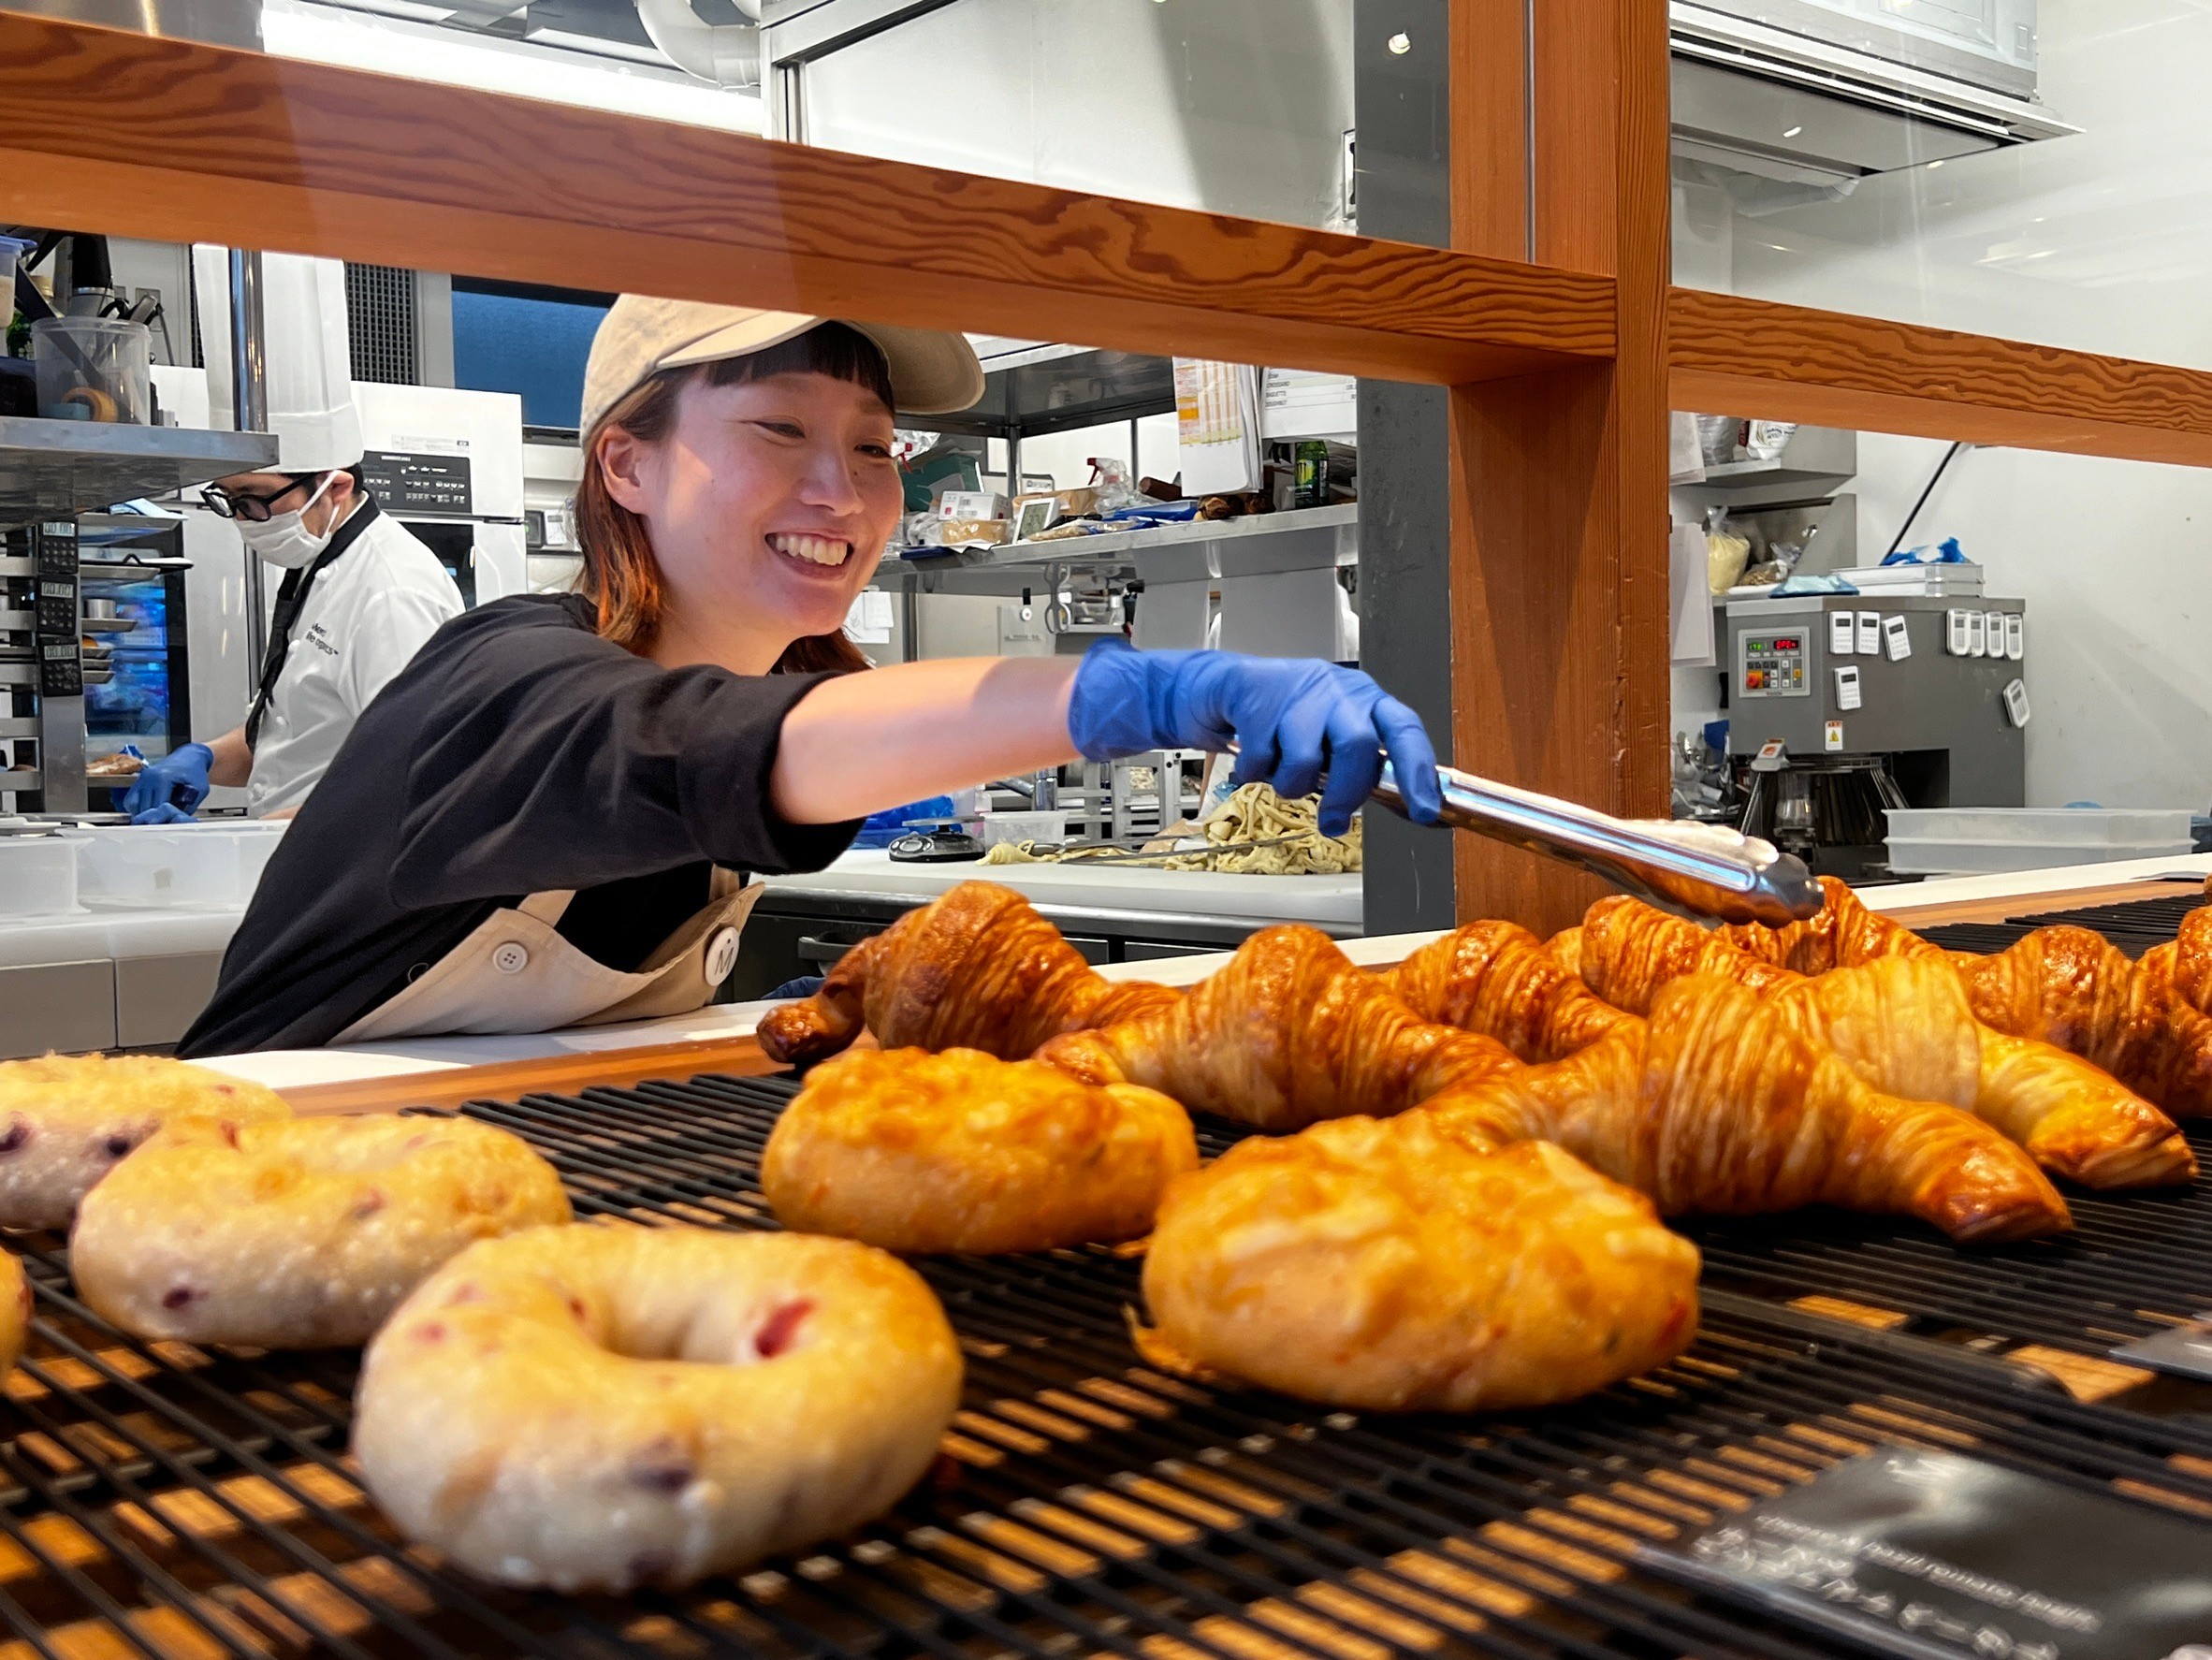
818,550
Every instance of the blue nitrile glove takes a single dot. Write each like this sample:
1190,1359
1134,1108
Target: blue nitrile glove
162,814
179,779
1290,718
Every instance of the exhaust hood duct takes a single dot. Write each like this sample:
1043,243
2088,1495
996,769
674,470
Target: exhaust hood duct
1810,94
727,54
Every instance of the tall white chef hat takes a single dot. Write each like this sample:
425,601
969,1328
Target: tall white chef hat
309,363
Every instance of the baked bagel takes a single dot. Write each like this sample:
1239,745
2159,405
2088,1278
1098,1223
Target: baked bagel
596,1409
959,1151
1377,1264
65,1121
297,1234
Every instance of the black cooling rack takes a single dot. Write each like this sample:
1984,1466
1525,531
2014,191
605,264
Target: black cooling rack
2132,925
162,1501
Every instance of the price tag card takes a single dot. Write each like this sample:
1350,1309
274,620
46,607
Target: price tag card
1933,1556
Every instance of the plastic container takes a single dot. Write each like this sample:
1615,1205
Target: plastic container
212,866
1024,826
94,369
1976,840
38,876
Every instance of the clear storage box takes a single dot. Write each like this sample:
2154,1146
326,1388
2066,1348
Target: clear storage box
1024,826
38,876
163,866
93,368
1976,840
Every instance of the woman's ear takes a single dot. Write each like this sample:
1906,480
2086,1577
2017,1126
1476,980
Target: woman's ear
623,460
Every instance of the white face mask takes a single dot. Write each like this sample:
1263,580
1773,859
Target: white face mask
284,539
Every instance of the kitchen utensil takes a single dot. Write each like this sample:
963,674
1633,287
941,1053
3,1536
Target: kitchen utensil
1698,870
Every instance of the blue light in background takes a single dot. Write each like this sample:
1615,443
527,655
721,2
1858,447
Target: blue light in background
504,343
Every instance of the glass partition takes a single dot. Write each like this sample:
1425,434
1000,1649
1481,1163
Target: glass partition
2035,170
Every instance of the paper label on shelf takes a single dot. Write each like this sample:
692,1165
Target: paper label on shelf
1691,598
1847,691
1926,1554
1897,637
1305,403
1217,426
1835,737
1870,633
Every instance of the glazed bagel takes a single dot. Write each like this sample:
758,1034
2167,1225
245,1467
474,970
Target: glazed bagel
65,1121
15,1311
297,1234
960,1151
596,1409
1379,1264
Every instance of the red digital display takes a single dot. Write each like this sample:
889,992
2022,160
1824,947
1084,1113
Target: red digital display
1785,645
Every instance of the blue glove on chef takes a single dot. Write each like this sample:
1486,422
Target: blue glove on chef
1291,717
178,781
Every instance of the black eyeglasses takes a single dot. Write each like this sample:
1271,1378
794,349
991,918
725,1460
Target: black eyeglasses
238,504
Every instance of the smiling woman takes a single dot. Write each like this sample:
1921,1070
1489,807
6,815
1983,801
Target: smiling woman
543,822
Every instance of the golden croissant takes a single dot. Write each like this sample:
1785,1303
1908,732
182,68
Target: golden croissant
1289,1032
978,968
2060,985
1380,1264
1716,1106
1903,1022
2184,965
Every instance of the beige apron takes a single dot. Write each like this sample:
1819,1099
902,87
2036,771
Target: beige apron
514,973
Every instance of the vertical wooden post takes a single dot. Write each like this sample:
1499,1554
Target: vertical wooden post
1559,588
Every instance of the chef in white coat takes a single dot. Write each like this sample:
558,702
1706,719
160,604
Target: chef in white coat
359,595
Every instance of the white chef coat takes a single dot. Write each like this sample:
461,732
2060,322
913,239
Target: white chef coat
368,611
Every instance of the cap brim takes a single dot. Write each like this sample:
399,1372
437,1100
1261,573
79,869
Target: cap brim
932,371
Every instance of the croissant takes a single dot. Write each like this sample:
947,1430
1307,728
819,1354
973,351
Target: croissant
2061,985
1289,1032
2185,966
1717,1106
978,968
1493,978
1904,1024
1383,1266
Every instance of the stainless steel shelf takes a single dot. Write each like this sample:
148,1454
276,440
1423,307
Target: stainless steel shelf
64,468
1309,538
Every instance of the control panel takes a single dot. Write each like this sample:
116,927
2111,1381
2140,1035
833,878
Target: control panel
1772,663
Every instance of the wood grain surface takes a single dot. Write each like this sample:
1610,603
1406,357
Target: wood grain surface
129,134
1734,356
1559,553
513,1079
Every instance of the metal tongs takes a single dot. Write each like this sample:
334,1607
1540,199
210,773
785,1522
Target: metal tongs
1700,870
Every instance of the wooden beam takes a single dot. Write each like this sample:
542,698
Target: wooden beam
1734,356
1559,552
129,134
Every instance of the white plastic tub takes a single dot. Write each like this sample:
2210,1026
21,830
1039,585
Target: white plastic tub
183,866
1029,827
38,876
1977,840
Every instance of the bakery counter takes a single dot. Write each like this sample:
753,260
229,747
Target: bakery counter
1114,914
108,979
445,1072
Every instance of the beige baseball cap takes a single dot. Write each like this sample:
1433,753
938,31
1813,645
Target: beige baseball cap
932,371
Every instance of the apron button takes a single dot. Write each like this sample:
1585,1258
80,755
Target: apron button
721,955
510,958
